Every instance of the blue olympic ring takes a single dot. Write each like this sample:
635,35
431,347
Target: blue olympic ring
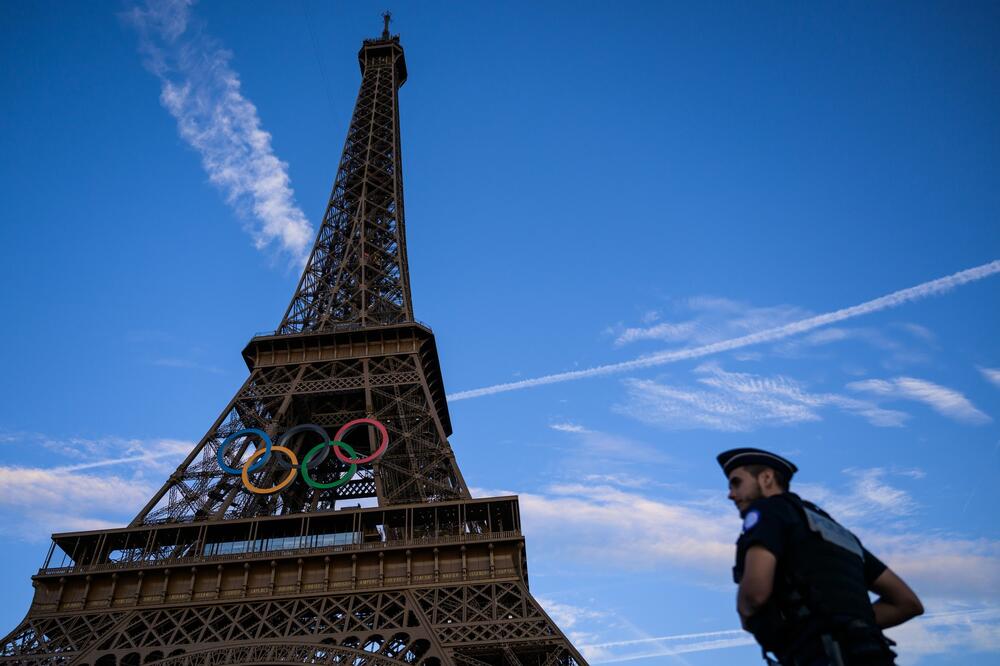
229,440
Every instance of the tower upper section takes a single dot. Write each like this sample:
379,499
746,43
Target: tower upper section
379,52
357,274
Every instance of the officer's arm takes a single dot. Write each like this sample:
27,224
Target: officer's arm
897,603
757,582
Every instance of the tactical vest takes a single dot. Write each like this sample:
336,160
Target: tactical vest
825,569
821,594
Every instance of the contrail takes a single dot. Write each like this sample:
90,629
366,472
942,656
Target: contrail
202,92
895,299
717,640
728,633
117,461
701,646
177,450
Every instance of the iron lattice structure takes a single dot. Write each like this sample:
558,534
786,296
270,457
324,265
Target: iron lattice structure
209,573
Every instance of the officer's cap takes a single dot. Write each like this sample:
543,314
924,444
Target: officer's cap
730,460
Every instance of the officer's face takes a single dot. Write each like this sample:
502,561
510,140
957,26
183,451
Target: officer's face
743,489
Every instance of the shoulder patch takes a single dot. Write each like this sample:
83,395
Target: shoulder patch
750,520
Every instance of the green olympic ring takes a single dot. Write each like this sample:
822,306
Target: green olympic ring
333,484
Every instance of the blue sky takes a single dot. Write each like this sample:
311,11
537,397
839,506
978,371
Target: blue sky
586,185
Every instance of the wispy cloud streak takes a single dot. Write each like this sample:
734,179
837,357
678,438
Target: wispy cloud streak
895,299
992,375
945,401
739,401
202,92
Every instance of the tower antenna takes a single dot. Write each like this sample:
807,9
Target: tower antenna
387,17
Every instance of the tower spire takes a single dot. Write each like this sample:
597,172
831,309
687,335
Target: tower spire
357,273
387,17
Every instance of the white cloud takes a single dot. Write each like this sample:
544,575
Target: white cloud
202,92
37,501
918,331
872,490
992,375
32,486
713,319
898,349
663,331
912,472
869,498
568,427
947,402
626,450
621,480
649,317
960,630
893,300
895,351
566,615
829,335
739,402
940,564
569,618
629,528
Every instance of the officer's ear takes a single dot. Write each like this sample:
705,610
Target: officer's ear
767,479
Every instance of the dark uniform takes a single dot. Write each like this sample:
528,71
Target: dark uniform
819,610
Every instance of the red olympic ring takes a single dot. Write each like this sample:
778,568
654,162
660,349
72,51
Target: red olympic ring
339,437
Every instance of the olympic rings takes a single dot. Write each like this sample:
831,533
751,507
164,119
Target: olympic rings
316,455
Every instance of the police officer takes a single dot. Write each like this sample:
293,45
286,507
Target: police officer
803,579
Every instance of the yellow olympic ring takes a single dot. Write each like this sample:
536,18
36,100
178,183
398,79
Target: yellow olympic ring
288,479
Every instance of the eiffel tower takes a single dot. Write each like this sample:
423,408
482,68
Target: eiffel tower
217,569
